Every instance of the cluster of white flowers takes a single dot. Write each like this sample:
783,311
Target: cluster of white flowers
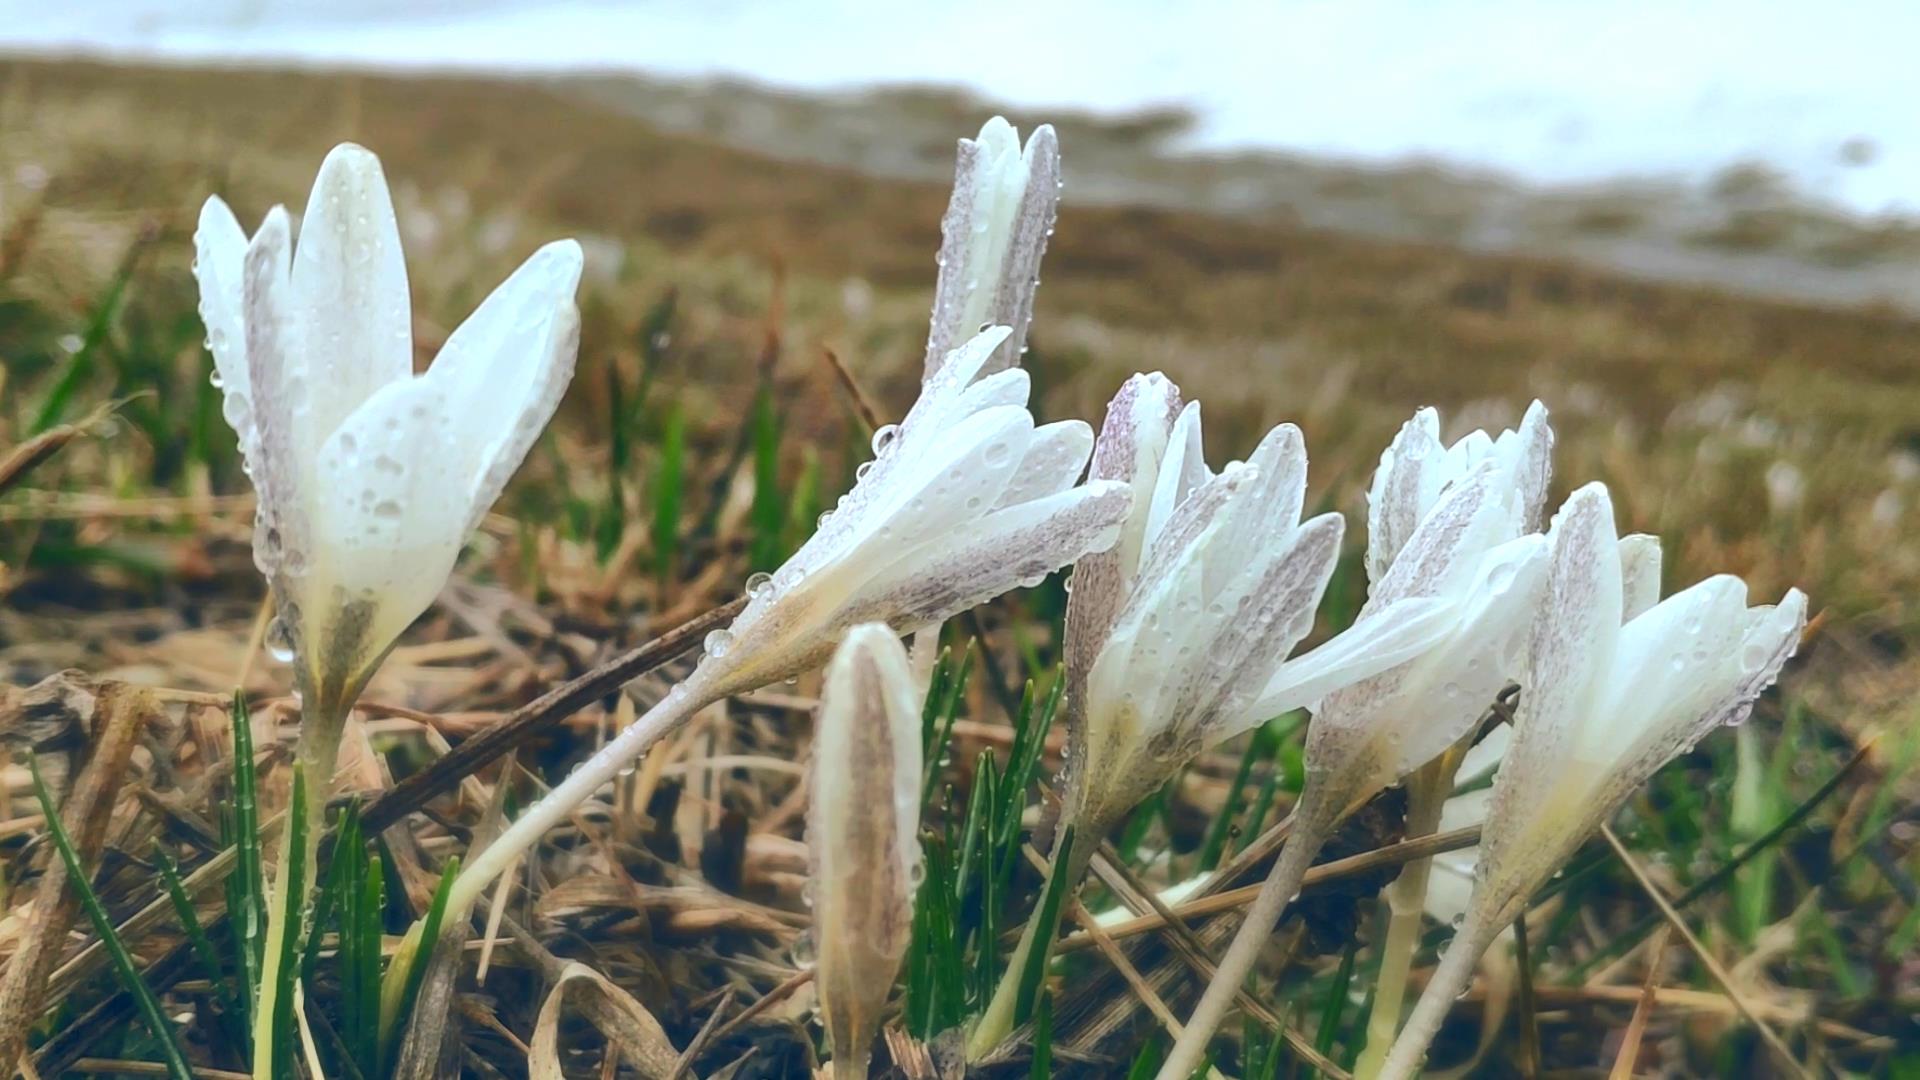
1191,590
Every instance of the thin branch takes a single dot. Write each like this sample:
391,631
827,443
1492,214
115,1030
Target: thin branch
1713,966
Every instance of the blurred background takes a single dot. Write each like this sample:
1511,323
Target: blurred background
1692,229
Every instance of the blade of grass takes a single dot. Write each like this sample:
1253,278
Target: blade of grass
203,949
163,1035
1049,915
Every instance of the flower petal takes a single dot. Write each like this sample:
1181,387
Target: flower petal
219,263
1016,546
1183,469
1397,499
1639,575
1441,555
1056,455
1569,655
1394,634
278,383
503,371
994,233
350,287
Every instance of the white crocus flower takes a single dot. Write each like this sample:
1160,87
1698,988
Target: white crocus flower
1173,633
863,823
993,234
1605,706
1446,898
966,500
369,477
1455,572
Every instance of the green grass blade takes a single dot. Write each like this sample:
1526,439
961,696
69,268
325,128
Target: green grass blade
1216,841
417,966
293,904
252,916
1334,1008
1051,902
203,949
1042,1067
123,964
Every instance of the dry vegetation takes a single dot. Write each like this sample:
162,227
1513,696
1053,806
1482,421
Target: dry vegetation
1775,441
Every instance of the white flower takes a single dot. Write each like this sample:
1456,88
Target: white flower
1173,634
1452,594
863,825
1604,707
1454,578
966,499
994,233
1452,881
369,477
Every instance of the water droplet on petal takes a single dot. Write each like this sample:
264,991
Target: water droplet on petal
758,584
279,640
883,438
718,642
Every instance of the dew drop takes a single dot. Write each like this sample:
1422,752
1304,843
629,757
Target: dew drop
884,437
758,584
718,642
998,453
279,640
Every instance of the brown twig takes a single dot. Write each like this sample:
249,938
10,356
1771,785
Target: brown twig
1629,1054
1391,855
1707,960
869,415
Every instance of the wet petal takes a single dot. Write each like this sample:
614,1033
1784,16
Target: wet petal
350,287
503,371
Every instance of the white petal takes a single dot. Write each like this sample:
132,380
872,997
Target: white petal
1183,469
1283,600
220,255
278,384
350,287
503,371
1133,439
1011,387
1055,456
1673,663
994,233
1388,637
1639,574
1533,465
1441,555
942,394
1008,548
1396,501
398,503
862,830
1570,653
1268,509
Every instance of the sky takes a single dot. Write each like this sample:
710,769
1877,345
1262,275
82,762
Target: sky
1561,93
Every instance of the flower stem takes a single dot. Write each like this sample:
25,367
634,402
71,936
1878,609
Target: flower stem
1427,791
322,723
673,710
1314,817
1449,980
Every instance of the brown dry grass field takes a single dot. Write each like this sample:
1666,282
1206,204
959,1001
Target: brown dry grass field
1775,440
